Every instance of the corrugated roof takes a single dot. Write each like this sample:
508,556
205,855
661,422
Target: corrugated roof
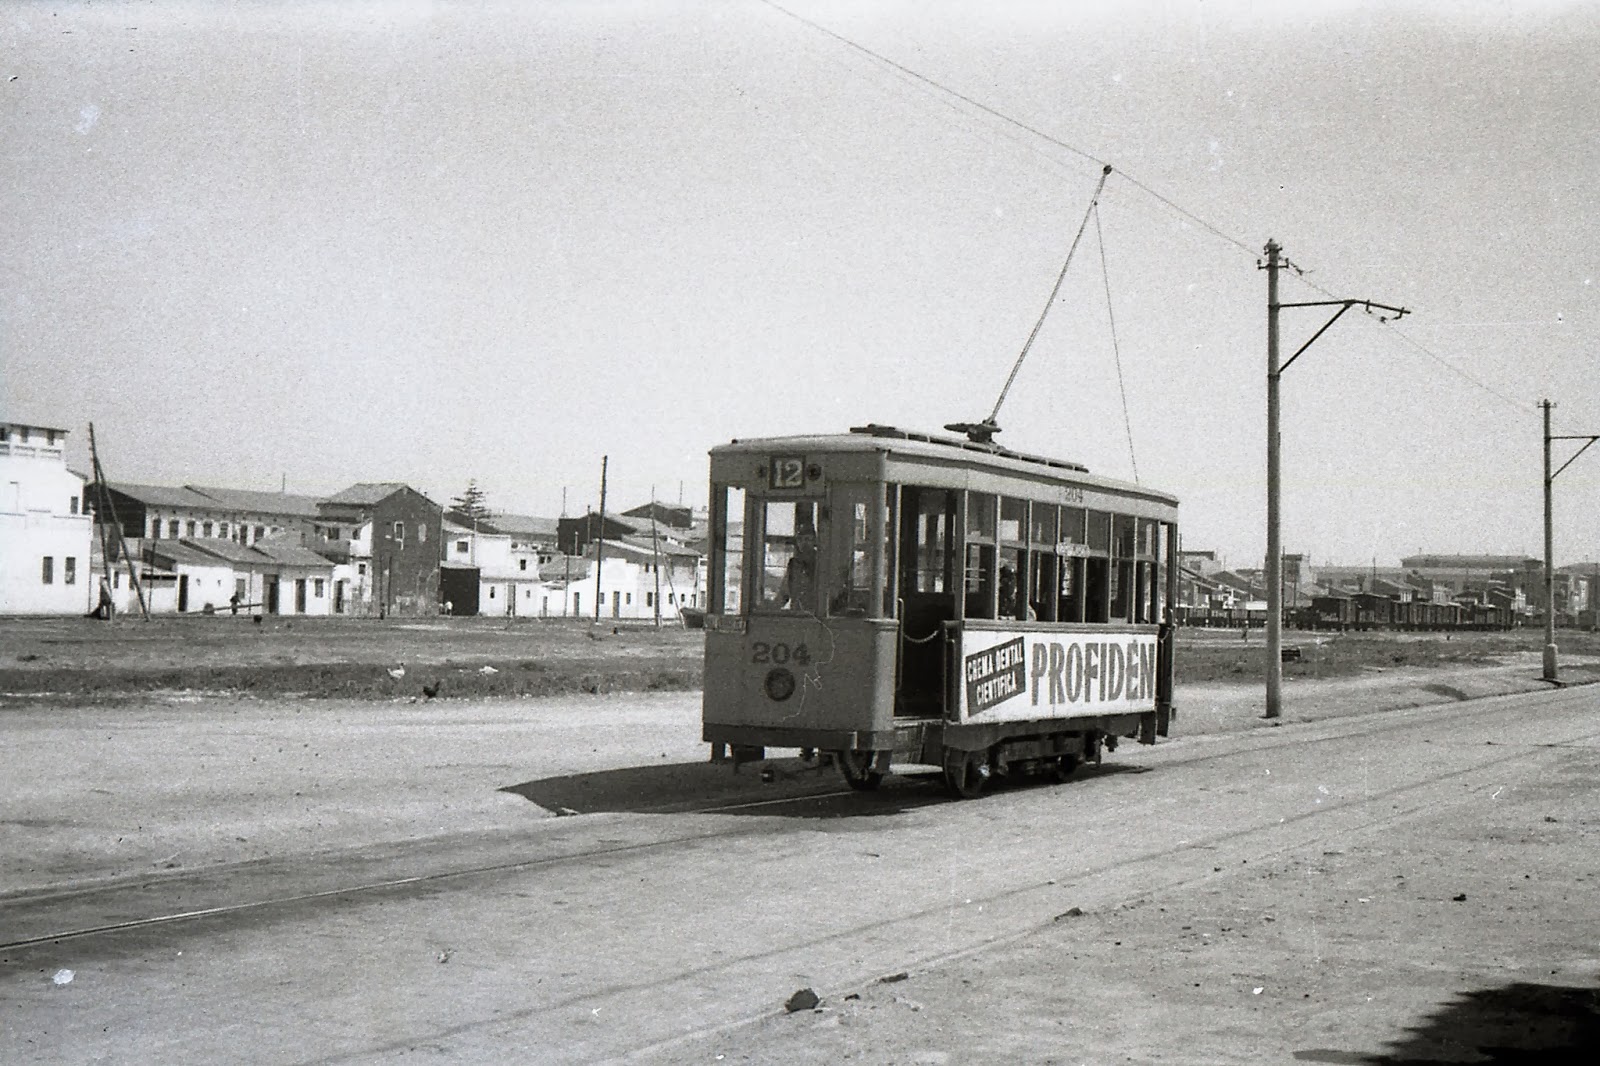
570,566
164,496
179,552
526,524
366,493
277,503
293,555
643,545
228,550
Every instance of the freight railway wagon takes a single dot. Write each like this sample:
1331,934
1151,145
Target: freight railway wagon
890,597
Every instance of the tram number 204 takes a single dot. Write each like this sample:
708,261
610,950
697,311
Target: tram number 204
779,653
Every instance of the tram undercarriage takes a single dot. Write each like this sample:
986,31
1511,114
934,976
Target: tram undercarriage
970,756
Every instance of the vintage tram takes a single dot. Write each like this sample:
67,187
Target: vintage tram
885,596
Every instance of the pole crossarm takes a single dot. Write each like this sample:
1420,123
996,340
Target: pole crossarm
1343,306
1588,442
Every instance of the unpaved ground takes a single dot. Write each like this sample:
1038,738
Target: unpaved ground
179,782
1440,939
77,660
1128,916
74,660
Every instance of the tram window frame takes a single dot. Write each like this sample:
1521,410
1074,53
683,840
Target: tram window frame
1074,526
1044,565
933,543
979,513
1098,572
781,599
726,570
1124,577
1013,553
1167,556
1147,571
852,570
888,561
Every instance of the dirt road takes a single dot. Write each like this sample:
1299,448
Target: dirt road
1131,915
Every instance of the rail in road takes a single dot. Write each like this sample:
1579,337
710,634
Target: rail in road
30,908
851,941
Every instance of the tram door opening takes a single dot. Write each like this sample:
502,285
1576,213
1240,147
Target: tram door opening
927,586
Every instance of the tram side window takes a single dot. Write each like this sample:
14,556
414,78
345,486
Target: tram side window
927,513
1014,571
1043,564
789,561
1069,602
1146,605
1164,546
727,568
891,557
1073,542
1124,586
979,582
1097,573
849,570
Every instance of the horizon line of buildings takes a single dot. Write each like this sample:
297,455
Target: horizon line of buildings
69,545
1513,586
381,548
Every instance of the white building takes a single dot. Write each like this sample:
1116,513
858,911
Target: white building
196,512
502,565
634,578
45,533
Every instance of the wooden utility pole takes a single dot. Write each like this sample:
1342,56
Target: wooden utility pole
1550,672
1274,532
1274,536
600,539
655,548
1549,552
105,508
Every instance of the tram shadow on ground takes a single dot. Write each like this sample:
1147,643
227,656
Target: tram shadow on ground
771,788
1521,1023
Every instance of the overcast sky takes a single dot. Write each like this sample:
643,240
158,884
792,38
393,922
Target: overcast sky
427,242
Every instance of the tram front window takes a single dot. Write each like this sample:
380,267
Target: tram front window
849,547
788,556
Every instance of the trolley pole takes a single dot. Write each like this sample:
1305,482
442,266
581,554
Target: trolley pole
1550,671
1274,536
1274,531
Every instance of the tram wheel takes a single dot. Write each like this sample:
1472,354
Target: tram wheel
856,768
1066,765
966,772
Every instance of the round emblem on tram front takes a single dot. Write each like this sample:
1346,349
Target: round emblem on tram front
779,684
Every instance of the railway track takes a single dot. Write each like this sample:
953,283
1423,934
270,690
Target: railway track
1373,726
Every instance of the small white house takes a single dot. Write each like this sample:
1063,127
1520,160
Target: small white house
45,534
506,566
634,579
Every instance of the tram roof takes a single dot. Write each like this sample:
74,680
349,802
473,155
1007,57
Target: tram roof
873,437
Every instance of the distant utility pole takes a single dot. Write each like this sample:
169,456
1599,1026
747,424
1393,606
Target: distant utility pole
1549,538
600,539
106,518
1274,533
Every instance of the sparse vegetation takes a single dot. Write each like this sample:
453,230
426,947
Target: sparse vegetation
455,658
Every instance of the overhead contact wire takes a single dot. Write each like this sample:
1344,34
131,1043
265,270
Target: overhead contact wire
1135,182
1116,349
1009,120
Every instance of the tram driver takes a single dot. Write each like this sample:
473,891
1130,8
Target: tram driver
798,591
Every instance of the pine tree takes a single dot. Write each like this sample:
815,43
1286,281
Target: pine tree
469,508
